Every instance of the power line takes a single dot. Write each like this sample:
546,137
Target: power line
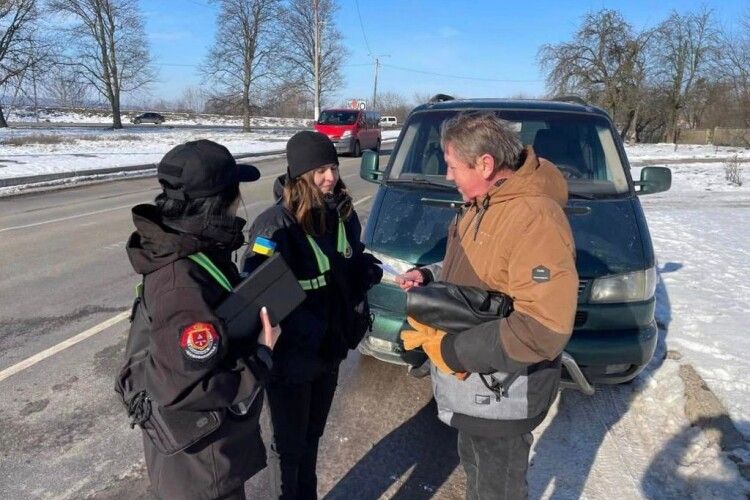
457,76
361,25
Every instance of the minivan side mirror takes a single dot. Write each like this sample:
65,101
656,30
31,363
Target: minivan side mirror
368,168
654,180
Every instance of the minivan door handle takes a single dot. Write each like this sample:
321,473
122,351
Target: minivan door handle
577,210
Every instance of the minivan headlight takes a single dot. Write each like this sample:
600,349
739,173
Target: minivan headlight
629,287
347,133
396,264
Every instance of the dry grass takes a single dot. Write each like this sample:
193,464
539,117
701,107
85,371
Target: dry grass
733,171
62,139
34,139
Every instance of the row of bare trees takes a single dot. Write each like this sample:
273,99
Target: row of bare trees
269,51
684,72
73,50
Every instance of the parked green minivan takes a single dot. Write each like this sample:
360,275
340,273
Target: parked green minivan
615,332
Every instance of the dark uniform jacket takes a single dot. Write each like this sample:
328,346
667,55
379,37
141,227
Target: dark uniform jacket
318,334
192,366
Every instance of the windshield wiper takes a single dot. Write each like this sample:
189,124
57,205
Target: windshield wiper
421,180
581,196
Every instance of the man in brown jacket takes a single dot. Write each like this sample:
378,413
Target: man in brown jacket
495,382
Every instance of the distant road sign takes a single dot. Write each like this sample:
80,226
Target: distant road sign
362,105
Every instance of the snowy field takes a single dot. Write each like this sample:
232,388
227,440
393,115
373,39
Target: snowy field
701,234
636,441
630,441
51,150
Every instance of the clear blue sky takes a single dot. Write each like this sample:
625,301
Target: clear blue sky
491,45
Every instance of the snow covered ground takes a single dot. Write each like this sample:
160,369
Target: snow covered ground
52,115
701,234
636,440
51,150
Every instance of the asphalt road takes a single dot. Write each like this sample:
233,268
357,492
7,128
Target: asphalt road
63,271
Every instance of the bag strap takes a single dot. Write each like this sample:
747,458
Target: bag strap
202,260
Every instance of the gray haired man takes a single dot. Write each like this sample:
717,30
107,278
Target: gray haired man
512,237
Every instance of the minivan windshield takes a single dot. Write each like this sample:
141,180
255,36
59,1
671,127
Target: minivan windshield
580,145
338,117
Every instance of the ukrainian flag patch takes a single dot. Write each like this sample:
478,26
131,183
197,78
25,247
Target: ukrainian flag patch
264,246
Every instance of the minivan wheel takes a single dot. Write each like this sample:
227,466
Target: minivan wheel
357,151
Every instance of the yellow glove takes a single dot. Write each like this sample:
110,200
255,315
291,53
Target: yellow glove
421,334
429,339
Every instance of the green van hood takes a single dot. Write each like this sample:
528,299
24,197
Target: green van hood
608,233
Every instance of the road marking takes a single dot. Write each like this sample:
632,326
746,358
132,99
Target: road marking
36,358
12,370
362,200
70,217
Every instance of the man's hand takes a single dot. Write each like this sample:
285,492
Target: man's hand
429,339
409,279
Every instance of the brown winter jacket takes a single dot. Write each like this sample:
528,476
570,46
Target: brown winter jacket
517,240
514,240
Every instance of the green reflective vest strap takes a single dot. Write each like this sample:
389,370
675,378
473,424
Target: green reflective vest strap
314,283
324,264
342,243
202,260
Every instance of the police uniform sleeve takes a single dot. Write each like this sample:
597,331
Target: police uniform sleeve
188,367
369,273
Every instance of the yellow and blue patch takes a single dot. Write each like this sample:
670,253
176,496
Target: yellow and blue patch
264,246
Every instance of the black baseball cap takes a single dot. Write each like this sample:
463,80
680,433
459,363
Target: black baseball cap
198,169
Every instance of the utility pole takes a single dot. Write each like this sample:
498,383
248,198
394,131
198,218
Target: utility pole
375,88
316,56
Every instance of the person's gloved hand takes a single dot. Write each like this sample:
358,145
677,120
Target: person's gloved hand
429,339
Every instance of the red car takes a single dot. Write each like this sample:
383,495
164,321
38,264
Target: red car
351,130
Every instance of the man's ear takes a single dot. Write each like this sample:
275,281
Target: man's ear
487,166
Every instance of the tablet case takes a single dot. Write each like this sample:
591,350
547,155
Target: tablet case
273,285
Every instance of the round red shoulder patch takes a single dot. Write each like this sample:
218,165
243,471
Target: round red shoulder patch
199,341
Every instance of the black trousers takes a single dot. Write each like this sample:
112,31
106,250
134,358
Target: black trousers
495,467
298,415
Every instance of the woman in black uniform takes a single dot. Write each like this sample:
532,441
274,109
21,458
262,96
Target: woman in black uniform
314,226
183,246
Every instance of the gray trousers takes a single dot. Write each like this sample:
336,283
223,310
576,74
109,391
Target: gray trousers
495,467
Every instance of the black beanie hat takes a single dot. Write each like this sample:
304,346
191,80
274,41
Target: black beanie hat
307,151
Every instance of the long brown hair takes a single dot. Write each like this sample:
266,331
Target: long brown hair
306,201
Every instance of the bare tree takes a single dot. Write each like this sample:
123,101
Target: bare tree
604,62
65,85
193,99
19,49
684,48
394,104
287,97
734,66
108,45
244,51
313,48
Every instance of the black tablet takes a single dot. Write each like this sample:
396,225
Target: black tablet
272,285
